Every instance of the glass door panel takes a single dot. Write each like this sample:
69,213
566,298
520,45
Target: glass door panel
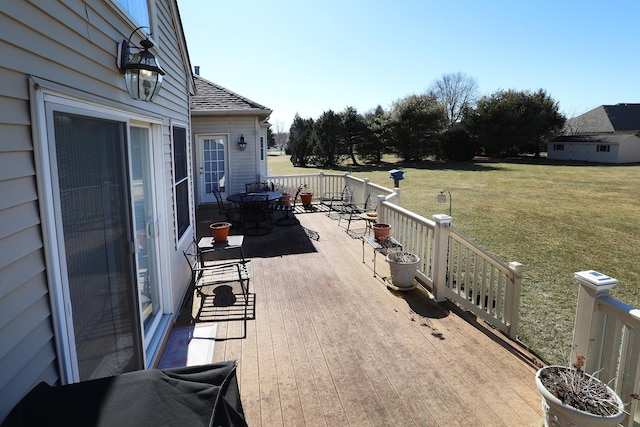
145,229
212,169
94,202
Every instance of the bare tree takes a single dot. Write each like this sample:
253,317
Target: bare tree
457,92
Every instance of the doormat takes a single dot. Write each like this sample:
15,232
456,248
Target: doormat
189,346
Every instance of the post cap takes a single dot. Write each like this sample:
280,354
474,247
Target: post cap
595,279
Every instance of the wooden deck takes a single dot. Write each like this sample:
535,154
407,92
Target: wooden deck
327,344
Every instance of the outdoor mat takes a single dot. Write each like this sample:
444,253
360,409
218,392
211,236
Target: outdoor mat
189,346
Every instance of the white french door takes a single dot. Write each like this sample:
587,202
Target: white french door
212,166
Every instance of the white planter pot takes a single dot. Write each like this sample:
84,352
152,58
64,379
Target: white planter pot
403,274
557,414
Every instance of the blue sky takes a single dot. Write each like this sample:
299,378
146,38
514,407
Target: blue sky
308,57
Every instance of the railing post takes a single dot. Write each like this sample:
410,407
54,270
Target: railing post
321,184
365,191
513,301
440,258
589,323
396,200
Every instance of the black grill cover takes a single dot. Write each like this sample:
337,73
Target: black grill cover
205,395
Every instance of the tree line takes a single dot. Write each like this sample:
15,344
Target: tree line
447,123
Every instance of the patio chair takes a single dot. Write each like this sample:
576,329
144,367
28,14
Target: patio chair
227,211
257,187
255,209
288,218
221,273
354,210
337,201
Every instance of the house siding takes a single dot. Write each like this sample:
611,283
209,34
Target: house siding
243,164
73,45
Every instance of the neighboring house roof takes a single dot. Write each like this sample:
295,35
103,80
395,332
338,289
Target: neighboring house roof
213,99
607,119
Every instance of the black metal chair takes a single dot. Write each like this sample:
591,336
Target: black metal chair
288,218
337,201
353,211
227,211
217,274
255,209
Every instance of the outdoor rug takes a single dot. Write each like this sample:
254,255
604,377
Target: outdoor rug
189,346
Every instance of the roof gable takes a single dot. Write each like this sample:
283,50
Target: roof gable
607,119
213,98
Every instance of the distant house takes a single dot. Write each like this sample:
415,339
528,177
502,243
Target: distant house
95,191
606,134
229,135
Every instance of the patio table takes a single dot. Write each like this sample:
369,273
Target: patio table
237,197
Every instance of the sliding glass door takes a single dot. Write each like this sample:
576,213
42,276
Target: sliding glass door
94,240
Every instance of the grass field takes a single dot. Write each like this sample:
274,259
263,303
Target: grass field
554,218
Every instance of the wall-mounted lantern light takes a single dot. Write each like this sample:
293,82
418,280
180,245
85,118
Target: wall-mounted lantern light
142,73
242,144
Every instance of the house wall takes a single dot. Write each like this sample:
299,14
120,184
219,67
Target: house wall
72,47
583,152
630,150
244,165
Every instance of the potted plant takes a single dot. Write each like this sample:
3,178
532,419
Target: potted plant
381,231
220,231
571,397
402,267
306,195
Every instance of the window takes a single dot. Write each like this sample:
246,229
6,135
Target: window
137,9
558,147
262,148
604,148
181,179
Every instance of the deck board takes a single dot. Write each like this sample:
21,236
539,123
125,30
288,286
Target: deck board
330,345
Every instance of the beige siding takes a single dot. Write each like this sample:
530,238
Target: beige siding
243,166
72,44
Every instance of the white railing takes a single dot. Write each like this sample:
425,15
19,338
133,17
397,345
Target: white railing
455,268
607,333
451,265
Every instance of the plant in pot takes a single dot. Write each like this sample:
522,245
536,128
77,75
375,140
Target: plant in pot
402,268
571,397
306,196
220,231
381,231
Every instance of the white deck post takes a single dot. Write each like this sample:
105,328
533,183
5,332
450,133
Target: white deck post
513,302
321,184
589,321
440,251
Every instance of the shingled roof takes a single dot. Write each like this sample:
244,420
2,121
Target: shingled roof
608,119
213,99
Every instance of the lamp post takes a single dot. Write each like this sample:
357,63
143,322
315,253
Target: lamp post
442,198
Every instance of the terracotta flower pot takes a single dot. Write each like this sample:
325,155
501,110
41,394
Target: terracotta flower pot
306,198
220,231
285,200
381,231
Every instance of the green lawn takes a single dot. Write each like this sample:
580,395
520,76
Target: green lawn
554,218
